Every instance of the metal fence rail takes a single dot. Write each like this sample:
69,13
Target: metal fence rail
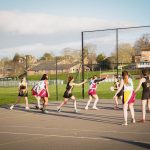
30,83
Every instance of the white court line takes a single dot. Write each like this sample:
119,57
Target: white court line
56,135
97,131
61,136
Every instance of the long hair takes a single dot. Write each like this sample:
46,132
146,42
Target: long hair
125,77
70,78
44,77
95,76
145,72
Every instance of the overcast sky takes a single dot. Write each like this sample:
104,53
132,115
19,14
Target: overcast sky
39,26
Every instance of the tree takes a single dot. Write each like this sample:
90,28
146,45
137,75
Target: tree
125,54
142,42
90,54
16,57
47,57
100,58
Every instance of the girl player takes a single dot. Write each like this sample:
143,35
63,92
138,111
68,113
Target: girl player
68,93
22,92
41,91
119,95
128,96
145,83
92,91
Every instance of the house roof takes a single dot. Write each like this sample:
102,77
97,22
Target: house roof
51,65
145,49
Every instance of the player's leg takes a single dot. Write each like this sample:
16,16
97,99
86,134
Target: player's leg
95,102
13,105
62,103
132,112
27,103
88,103
125,113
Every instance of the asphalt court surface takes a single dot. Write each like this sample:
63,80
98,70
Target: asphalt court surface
67,130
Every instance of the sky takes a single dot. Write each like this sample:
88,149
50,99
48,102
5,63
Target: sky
38,26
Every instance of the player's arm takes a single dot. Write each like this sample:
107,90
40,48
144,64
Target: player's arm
78,84
120,88
47,87
99,79
139,85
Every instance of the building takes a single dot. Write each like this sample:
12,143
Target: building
143,60
49,67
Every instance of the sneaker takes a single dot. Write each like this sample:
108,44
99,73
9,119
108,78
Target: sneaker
38,107
27,108
46,111
133,121
141,121
86,108
11,107
58,110
77,110
95,108
124,124
116,108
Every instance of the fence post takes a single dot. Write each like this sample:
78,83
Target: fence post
117,49
82,65
56,82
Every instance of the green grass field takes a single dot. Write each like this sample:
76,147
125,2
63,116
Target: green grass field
8,95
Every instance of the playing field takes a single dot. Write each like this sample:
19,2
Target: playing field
86,130
9,94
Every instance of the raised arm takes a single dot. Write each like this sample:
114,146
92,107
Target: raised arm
98,80
78,84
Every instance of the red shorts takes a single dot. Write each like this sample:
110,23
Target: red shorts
43,93
92,92
34,93
132,99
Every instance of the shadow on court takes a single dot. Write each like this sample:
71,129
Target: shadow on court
71,114
22,129
136,143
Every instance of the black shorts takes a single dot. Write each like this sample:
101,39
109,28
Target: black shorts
67,95
23,94
145,95
120,93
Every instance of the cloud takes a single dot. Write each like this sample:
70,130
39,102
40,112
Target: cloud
26,23
37,33
39,49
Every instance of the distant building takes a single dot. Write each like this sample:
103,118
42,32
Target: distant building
50,68
143,60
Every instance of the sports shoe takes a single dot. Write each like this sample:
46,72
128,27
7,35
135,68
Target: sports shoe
46,111
116,108
27,108
86,108
141,121
124,124
38,107
58,110
133,121
77,110
11,107
95,108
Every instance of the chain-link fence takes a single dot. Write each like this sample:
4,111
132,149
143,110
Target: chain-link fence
104,52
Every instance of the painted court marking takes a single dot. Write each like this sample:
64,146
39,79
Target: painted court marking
60,136
103,131
56,135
